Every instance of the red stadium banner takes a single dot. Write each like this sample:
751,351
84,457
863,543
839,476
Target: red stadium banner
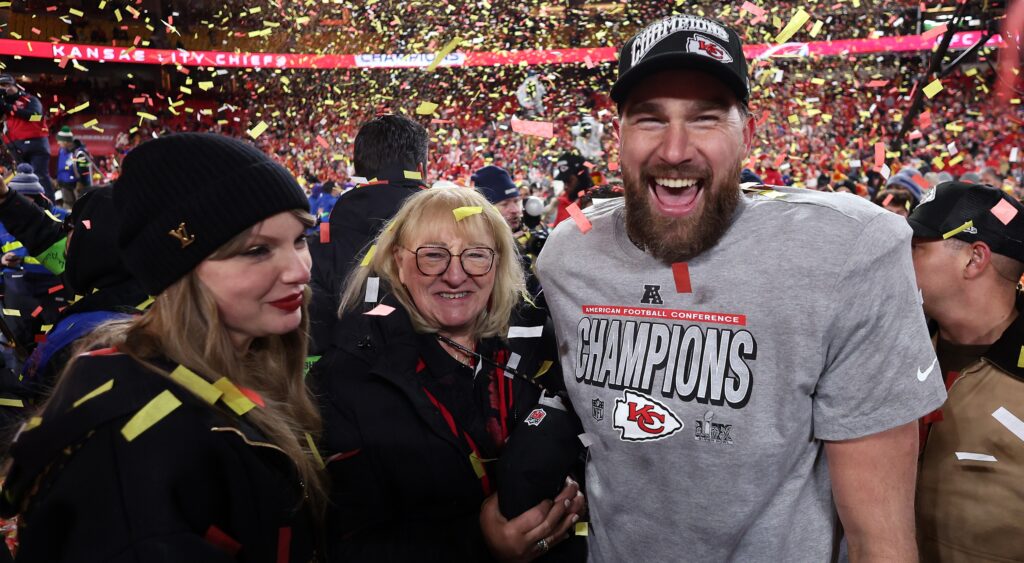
96,53
96,141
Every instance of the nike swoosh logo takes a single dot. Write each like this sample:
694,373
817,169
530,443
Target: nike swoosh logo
923,375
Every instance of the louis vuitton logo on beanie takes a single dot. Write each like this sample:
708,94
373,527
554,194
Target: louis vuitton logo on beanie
182,234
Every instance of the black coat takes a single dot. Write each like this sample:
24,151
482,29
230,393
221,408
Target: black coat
356,219
197,484
93,269
403,484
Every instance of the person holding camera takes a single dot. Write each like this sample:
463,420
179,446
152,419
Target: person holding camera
25,132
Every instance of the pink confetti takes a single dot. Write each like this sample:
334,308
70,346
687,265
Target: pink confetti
381,310
579,218
753,9
935,31
1004,211
536,128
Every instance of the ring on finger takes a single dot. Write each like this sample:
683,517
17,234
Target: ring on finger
542,545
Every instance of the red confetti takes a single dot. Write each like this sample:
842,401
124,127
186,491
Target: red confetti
253,396
55,289
340,456
87,224
681,273
887,200
322,142
284,542
222,541
39,309
325,233
103,352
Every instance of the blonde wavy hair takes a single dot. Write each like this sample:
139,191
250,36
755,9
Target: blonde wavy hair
430,211
185,326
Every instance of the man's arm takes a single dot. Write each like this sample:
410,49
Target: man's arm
33,107
873,484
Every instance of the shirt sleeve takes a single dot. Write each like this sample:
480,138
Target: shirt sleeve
880,369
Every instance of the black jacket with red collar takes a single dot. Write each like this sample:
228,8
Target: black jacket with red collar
200,484
404,484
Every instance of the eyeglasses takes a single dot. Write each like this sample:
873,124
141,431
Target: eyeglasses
434,260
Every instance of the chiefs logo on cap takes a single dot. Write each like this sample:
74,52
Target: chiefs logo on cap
702,45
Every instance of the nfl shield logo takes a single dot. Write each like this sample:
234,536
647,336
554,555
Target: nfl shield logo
598,407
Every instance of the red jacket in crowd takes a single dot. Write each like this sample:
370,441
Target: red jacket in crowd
24,118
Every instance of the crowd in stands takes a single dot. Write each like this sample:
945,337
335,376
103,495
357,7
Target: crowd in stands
818,120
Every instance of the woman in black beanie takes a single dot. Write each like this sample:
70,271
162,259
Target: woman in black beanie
186,434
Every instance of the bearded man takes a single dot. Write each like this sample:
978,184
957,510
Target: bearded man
747,368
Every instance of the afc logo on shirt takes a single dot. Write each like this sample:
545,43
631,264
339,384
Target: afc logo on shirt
652,295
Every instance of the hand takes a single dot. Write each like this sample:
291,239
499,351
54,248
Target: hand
11,260
517,540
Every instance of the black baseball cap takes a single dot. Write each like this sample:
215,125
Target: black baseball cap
683,42
950,205
7,80
569,165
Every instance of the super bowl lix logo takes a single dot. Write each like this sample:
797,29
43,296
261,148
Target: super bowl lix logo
640,418
714,432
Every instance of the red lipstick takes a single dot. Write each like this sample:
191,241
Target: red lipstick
290,303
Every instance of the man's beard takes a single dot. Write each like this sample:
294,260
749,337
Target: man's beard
680,239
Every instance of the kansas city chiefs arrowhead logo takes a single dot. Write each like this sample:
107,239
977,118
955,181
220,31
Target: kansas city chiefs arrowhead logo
702,45
641,418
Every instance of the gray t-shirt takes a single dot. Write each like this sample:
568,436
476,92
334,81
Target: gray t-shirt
707,410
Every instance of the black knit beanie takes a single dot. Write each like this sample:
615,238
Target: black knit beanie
183,196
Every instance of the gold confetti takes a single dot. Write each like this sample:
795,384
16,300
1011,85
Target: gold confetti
958,230
154,411
258,129
426,108
448,48
794,25
463,212
933,88
94,393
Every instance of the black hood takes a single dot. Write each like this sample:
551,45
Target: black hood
93,260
